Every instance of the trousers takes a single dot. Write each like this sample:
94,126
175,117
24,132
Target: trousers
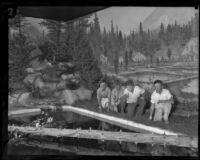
132,109
162,111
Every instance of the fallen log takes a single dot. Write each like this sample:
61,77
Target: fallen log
181,141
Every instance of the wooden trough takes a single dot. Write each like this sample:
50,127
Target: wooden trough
147,135
181,141
126,124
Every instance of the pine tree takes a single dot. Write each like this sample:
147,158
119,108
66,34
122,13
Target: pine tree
96,24
54,29
19,51
162,31
78,46
116,62
168,35
148,34
126,60
141,30
95,37
169,53
112,40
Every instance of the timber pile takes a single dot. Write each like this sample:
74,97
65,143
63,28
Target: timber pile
181,141
48,83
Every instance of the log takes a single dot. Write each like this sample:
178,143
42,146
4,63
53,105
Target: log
180,141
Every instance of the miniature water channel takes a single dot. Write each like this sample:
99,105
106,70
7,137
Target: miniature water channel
38,144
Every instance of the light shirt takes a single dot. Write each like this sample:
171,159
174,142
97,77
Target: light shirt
164,95
103,93
133,96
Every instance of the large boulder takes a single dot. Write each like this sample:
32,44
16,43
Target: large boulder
25,99
48,87
39,65
68,97
71,96
29,79
83,93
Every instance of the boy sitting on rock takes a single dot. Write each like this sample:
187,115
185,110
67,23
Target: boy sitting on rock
161,102
104,96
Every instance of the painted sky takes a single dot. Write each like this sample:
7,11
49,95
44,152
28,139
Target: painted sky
126,18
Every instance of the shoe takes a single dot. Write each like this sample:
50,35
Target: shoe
150,118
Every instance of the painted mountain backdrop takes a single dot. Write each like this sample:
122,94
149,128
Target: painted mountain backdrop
168,15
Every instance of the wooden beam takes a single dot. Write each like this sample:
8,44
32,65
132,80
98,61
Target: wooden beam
181,141
72,149
138,127
24,112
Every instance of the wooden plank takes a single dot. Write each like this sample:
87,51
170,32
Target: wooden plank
119,121
24,112
181,141
138,127
72,149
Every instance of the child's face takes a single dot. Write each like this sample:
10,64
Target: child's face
117,86
129,87
158,87
103,85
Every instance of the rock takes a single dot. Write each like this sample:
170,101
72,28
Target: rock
13,98
31,77
30,70
83,93
51,86
67,76
25,99
68,97
38,65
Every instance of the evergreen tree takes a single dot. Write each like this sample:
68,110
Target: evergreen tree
162,31
54,29
169,53
112,40
79,48
116,62
95,37
19,57
148,34
168,34
141,30
126,60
